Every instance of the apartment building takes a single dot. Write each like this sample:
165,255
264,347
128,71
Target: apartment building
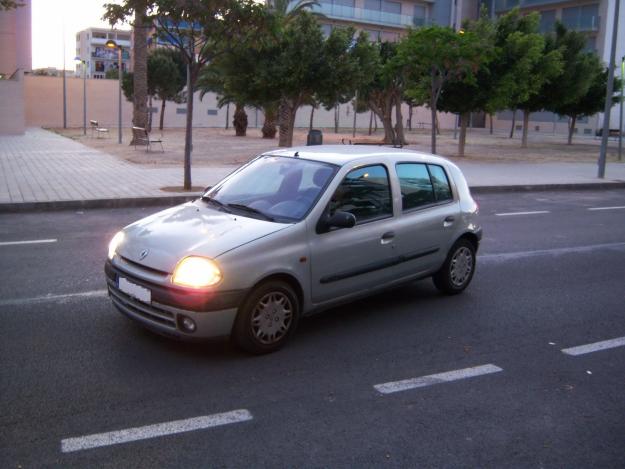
595,18
91,48
387,20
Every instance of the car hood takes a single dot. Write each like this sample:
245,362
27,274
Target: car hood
161,240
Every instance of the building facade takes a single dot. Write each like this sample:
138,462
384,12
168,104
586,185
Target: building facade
15,59
92,51
387,20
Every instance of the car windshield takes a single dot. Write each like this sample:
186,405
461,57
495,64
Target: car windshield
273,188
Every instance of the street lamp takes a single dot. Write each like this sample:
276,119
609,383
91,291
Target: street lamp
111,44
84,94
620,120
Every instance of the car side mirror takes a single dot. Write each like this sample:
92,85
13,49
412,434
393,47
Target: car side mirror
337,220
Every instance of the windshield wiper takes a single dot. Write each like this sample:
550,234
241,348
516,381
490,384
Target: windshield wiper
216,202
253,210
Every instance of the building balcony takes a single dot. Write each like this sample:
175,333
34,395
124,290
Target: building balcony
363,15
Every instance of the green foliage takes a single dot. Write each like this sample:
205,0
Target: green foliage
593,101
9,4
435,55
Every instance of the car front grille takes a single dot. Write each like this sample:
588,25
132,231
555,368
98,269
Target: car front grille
150,312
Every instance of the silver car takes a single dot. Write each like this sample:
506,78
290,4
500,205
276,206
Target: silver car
291,233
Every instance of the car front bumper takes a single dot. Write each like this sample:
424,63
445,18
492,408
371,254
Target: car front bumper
212,313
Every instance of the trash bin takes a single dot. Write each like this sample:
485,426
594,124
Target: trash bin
315,137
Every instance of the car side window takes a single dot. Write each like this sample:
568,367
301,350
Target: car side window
442,190
422,185
365,193
416,186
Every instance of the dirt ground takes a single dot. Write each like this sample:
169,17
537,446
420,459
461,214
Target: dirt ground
220,147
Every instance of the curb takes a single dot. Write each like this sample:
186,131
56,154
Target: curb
171,200
585,186
128,202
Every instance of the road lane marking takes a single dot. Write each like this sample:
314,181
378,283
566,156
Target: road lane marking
33,241
97,440
595,347
446,377
51,297
607,208
511,214
505,256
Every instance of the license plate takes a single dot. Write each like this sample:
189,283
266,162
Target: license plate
134,290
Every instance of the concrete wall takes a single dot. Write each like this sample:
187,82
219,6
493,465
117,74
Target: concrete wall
12,105
15,39
43,98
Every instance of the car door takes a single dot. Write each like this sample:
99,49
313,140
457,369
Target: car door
429,217
345,262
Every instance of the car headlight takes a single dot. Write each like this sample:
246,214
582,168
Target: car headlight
115,242
196,272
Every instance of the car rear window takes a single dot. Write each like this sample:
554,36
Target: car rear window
422,185
442,191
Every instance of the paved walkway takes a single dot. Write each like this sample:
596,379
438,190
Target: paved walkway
44,170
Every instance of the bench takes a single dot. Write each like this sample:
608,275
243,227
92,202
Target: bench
99,131
362,141
141,136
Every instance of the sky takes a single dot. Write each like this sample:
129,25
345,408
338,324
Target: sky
51,17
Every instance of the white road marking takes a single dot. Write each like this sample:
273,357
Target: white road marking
595,347
506,256
607,208
97,440
511,214
404,385
51,297
33,241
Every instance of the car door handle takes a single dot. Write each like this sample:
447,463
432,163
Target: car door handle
387,237
449,221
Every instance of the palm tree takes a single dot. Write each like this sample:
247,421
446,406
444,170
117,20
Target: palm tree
291,8
140,67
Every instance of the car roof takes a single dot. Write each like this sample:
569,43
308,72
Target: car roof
343,154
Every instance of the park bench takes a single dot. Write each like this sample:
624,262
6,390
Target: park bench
141,136
367,141
99,131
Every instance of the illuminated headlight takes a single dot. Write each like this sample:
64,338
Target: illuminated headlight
196,272
115,242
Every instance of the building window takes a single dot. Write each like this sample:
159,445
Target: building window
419,17
211,112
383,11
374,36
547,21
123,37
584,18
99,35
181,110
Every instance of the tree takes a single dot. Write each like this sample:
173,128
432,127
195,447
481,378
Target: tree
592,102
581,70
472,93
305,66
140,24
201,30
9,4
431,57
385,88
289,9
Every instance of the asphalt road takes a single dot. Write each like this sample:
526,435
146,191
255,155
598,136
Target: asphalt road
71,366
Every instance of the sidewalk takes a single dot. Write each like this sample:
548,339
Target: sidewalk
42,170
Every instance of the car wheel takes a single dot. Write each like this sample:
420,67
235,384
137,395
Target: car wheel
267,318
457,271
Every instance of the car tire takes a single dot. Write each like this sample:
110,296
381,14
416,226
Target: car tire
267,318
457,271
